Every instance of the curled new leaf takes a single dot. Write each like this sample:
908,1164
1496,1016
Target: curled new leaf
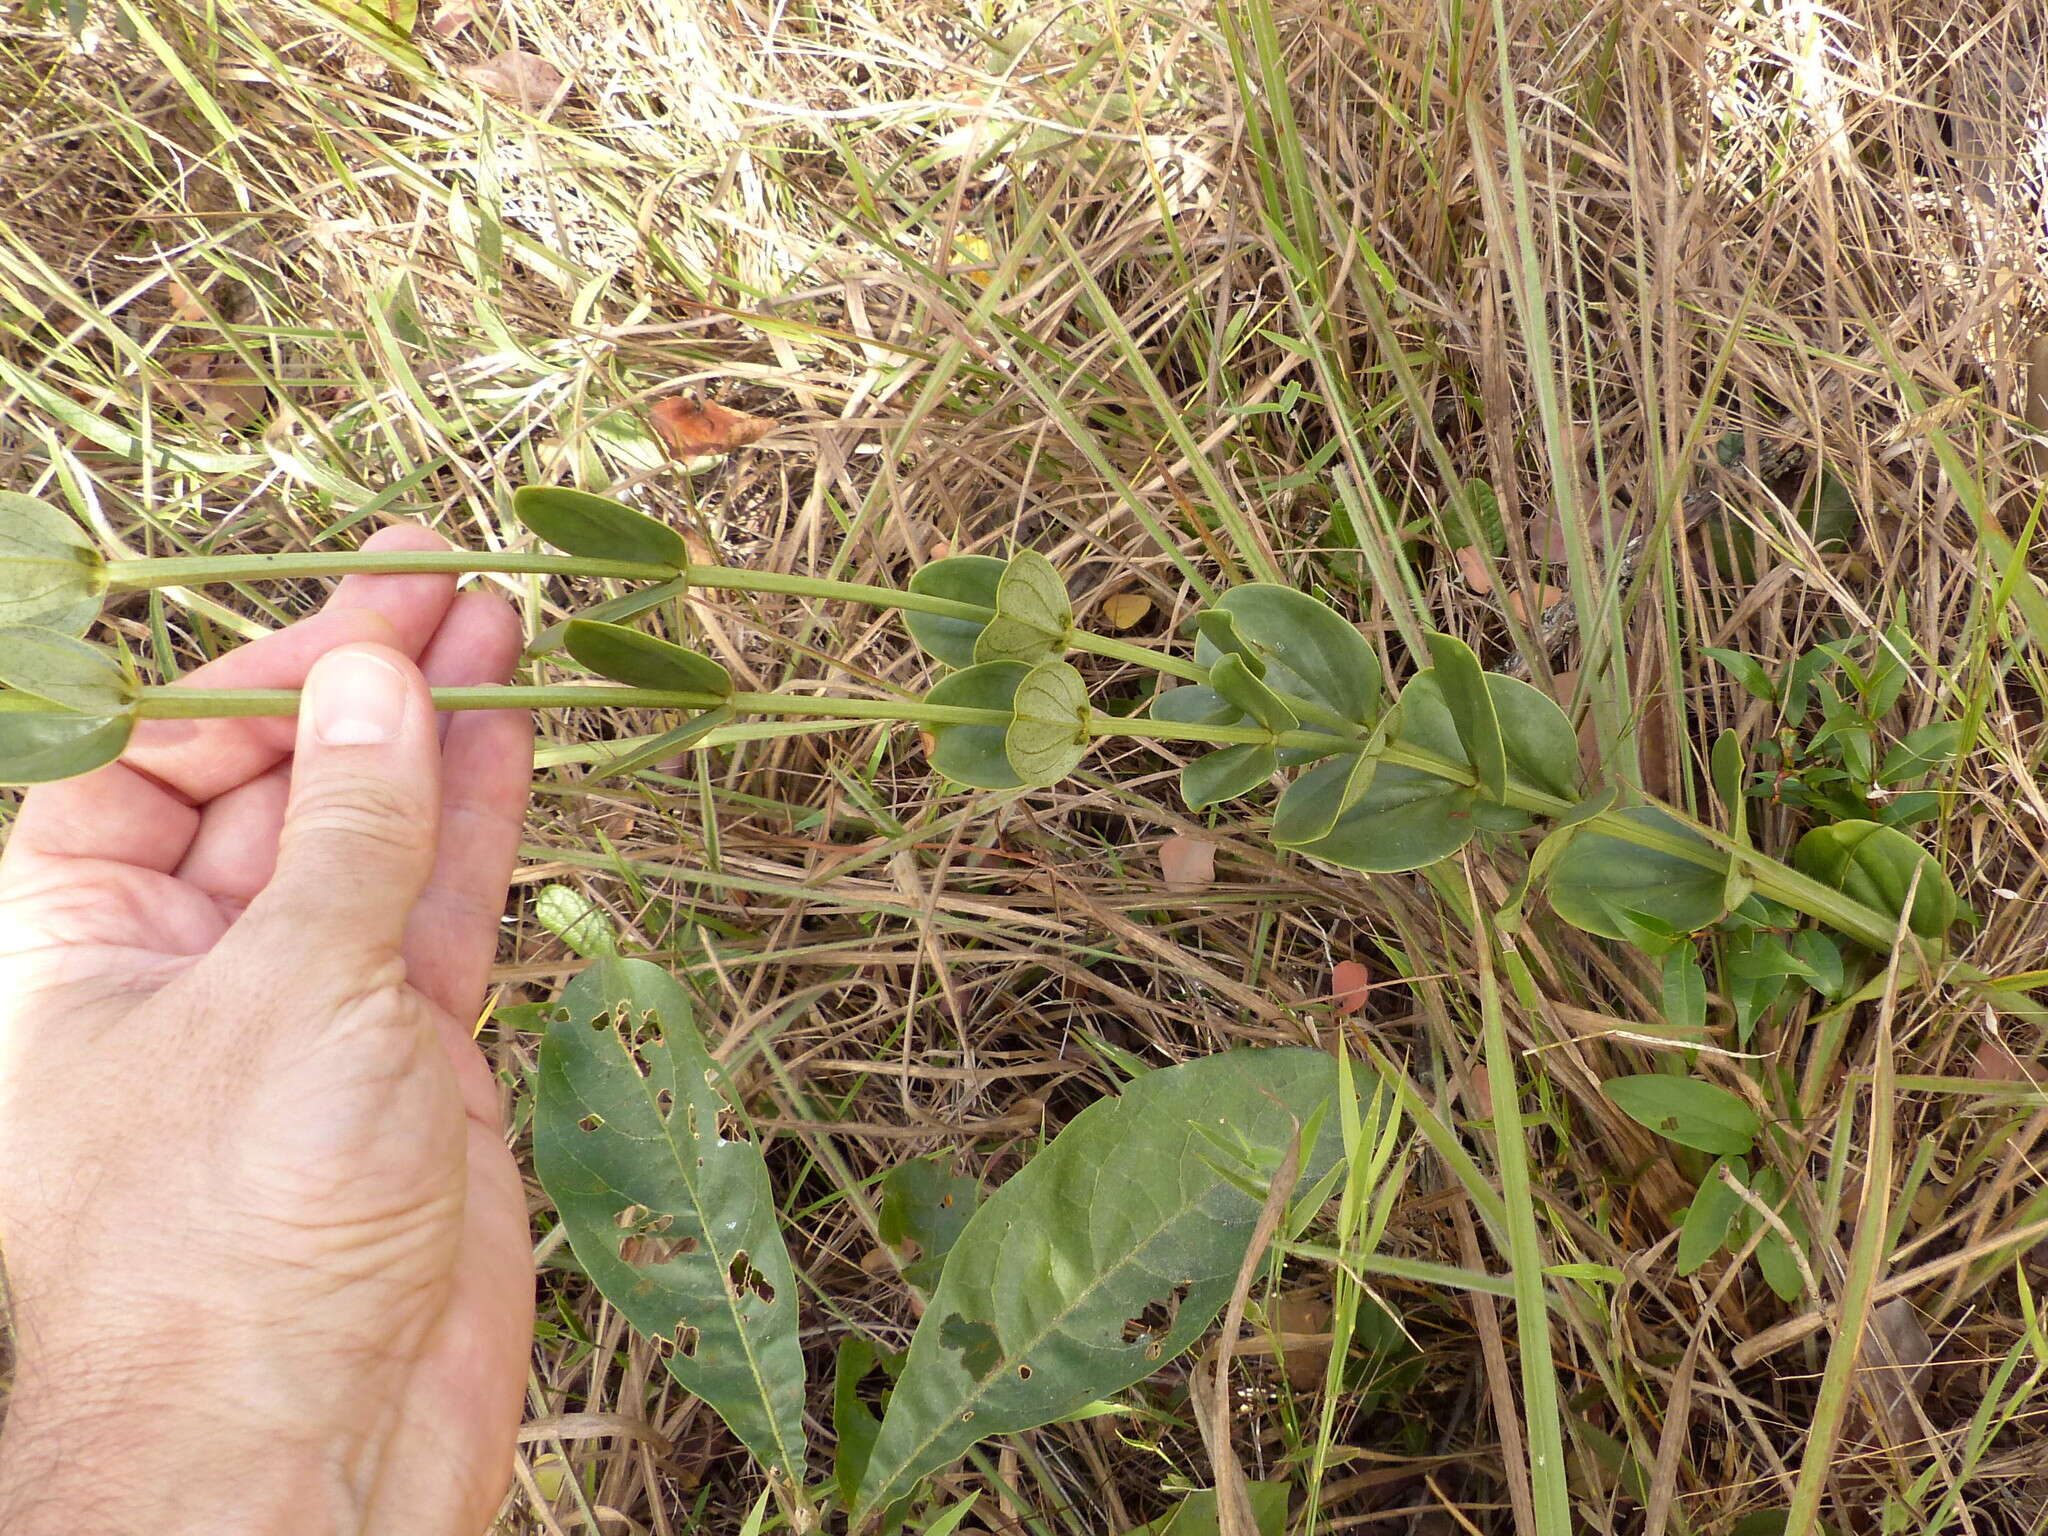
959,579
1462,685
1033,613
64,670
51,575
597,528
1541,750
673,1219
1048,734
41,746
1308,649
1877,865
977,755
1600,881
1233,679
641,660
1069,1285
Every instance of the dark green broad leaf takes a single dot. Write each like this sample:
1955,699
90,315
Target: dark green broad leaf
1687,1111
1048,734
1034,616
38,747
1775,1259
1216,629
1876,865
1921,751
51,574
597,528
1194,705
854,1425
1226,773
1462,685
64,670
1312,805
926,1203
673,1221
642,661
977,755
1406,819
1600,881
958,579
1541,749
1308,648
1234,679
1077,1278
1715,1205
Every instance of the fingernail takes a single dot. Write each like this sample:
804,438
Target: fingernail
357,699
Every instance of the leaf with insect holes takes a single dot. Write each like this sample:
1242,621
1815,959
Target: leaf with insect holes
926,1203
42,747
1047,1303
674,1221
959,579
695,429
642,661
1687,1111
1048,734
1600,881
596,527
1462,685
51,575
1034,616
65,671
1877,865
1307,648
977,755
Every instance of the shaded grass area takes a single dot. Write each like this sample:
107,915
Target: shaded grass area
1613,300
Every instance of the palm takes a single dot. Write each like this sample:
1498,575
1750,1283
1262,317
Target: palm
122,910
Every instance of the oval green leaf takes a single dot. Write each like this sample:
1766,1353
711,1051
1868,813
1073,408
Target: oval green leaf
1033,614
1235,681
1715,1205
51,573
1311,806
1599,880
1462,684
596,527
1405,820
1043,1306
1309,649
36,748
1541,749
1227,773
977,755
674,1223
1194,705
1687,1111
64,670
926,1203
958,579
1048,734
642,661
1875,865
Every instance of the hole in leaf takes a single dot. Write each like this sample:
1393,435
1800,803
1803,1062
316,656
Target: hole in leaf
642,1250
560,1016
1157,1319
1023,1373
664,1102
980,1350
686,1341
589,1123
630,1216
744,1277
731,1127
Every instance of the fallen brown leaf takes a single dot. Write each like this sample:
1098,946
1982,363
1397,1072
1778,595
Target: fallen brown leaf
1306,1316
1187,863
1994,1062
1892,1367
1472,566
1350,986
1121,610
520,78
201,383
1546,598
452,17
694,429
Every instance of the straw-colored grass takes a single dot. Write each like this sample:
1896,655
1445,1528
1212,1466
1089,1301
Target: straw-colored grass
1181,296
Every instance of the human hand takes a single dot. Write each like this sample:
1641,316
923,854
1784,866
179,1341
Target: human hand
267,1251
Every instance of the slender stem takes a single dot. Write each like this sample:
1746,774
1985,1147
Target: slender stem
1137,655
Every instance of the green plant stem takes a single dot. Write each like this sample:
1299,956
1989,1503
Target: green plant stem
198,570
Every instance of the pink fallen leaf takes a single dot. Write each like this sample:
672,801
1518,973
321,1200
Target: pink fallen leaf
1350,986
1546,598
1187,863
1472,566
523,79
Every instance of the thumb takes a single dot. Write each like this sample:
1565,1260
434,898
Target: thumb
360,826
